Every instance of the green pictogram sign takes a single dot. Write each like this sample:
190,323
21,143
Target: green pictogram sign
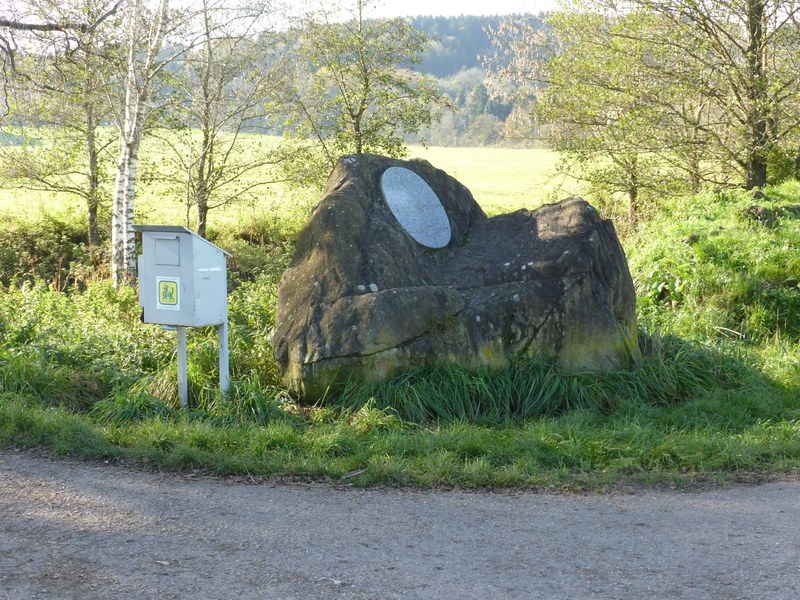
168,293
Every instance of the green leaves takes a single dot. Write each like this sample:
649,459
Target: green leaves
661,92
354,91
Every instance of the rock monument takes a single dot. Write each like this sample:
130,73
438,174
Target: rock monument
399,267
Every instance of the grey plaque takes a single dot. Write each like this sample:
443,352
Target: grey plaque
416,207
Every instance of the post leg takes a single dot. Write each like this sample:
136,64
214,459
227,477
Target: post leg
183,376
224,362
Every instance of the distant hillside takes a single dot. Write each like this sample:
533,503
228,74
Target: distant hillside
460,42
455,59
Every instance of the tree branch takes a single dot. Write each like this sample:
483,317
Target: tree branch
65,26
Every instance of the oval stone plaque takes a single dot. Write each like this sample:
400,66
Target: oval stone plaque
416,207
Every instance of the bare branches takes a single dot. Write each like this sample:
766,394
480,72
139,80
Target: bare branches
85,27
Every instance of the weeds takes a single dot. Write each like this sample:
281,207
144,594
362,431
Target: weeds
717,391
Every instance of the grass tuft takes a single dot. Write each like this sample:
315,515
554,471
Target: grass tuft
672,370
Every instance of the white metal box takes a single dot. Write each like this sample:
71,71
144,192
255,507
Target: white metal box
182,278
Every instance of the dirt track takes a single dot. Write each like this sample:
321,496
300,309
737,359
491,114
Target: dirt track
75,530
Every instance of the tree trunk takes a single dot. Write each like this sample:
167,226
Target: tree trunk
758,101
137,81
123,238
93,229
201,191
204,161
633,191
358,138
695,179
119,209
756,169
202,217
129,255
633,201
123,268
118,216
93,199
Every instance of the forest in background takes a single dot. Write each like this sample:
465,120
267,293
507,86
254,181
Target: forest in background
456,57
642,101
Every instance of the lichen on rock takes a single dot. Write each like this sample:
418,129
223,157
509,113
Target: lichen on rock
363,299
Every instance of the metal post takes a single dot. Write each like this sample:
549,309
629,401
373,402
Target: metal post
183,376
224,364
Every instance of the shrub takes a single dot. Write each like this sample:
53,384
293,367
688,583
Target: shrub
51,247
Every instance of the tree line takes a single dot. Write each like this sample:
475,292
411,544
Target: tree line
646,96
641,98
457,43
200,75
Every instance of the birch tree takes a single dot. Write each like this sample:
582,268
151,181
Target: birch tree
146,31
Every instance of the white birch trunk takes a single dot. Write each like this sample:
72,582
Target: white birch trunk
119,211
130,195
118,219
138,79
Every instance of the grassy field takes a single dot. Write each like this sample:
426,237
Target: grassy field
159,193
501,180
716,398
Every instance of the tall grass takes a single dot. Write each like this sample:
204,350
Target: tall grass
717,392
705,268
672,371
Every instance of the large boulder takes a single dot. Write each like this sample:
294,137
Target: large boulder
373,291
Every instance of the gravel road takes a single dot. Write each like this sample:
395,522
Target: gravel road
72,529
